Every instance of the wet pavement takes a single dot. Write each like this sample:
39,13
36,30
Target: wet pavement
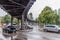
34,34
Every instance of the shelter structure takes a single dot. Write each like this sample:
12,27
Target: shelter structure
17,8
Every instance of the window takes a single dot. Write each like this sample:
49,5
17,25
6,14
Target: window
51,26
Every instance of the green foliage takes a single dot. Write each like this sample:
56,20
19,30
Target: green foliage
37,20
31,15
2,20
47,16
7,19
15,20
58,21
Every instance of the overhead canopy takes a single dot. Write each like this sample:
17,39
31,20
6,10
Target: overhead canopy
16,8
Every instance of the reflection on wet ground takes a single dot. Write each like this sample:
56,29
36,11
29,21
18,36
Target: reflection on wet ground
34,34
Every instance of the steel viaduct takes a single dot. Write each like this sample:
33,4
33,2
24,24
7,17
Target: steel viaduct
17,9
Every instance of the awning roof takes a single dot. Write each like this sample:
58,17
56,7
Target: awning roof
16,7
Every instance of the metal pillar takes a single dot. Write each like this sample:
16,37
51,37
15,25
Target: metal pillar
22,22
11,21
11,26
18,23
26,23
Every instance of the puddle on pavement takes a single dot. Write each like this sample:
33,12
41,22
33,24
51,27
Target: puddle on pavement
35,34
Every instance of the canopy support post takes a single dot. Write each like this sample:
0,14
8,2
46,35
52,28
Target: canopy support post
11,21
22,22
11,26
18,23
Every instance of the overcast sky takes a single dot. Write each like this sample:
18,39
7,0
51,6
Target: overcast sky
38,7
2,12
40,4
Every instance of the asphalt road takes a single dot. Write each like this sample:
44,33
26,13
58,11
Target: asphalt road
34,34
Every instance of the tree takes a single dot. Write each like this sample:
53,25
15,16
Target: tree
31,15
7,18
2,20
37,20
47,16
15,20
58,19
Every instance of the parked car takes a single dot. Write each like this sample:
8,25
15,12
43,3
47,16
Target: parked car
29,27
53,28
9,29
14,25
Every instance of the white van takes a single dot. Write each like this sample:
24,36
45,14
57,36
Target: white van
54,28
